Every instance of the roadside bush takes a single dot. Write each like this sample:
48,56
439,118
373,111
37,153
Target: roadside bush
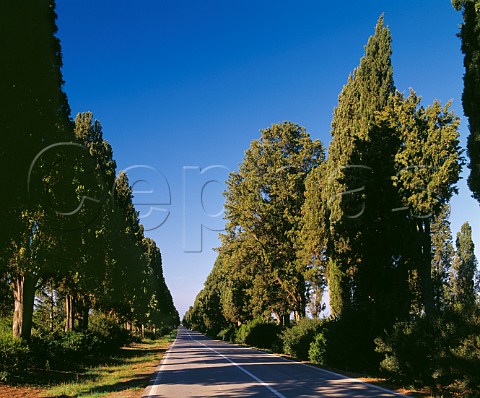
108,335
318,349
59,350
351,344
258,333
14,356
150,334
442,353
227,334
411,351
297,339
68,350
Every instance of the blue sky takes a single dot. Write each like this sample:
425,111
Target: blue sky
182,87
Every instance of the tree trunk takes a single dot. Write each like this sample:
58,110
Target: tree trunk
298,316
426,268
24,296
18,309
52,310
278,317
69,311
83,308
85,318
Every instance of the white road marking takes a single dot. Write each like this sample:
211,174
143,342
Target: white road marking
156,384
343,377
278,394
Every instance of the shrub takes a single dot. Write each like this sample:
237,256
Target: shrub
14,356
441,353
258,333
74,343
108,335
227,334
318,349
410,351
351,343
297,339
59,350
68,350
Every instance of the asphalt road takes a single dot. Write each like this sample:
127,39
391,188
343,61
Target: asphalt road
196,366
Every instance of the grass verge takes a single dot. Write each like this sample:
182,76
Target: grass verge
124,374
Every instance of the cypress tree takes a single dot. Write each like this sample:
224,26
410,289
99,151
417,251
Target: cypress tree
470,36
463,271
359,159
442,257
428,164
35,114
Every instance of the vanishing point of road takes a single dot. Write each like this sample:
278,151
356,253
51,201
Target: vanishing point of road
196,366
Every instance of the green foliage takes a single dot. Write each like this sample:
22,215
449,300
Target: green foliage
463,271
62,350
228,334
107,334
297,339
94,256
441,353
263,211
258,333
347,230
470,36
442,258
412,350
14,356
206,314
318,349
350,343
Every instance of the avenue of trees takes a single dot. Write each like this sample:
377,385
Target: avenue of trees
365,229
71,245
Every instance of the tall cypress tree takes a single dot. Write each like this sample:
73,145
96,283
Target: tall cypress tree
35,114
428,164
442,257
463,271
359,159
35,111
470,36
90,247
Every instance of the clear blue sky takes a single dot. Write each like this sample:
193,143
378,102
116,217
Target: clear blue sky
180,86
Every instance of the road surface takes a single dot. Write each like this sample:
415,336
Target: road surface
196,366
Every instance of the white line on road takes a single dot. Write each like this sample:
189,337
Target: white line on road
278,394
343,376
339,375
154,390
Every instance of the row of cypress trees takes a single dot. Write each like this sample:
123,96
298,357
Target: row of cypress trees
69,228
366,226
